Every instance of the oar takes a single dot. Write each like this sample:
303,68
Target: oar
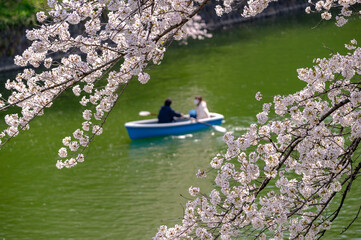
215,127
146,113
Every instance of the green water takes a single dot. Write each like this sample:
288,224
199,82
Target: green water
124,189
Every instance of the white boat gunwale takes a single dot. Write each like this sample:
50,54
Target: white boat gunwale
153,123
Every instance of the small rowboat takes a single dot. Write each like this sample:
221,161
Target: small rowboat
151,128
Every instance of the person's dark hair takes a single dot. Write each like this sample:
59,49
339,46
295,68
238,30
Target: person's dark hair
168,102
199,98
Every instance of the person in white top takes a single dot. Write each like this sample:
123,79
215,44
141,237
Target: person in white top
202,110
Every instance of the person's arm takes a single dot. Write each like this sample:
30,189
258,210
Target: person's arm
176,114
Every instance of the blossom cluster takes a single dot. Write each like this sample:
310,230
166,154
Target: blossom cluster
133,34
255,7
324,7
307,153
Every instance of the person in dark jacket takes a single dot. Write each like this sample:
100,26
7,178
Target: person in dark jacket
166,113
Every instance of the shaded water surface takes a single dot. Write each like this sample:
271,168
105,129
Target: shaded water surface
124,189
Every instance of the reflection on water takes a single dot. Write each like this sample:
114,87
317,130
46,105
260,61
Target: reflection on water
173,146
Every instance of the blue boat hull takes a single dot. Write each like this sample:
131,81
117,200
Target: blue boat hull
150,128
